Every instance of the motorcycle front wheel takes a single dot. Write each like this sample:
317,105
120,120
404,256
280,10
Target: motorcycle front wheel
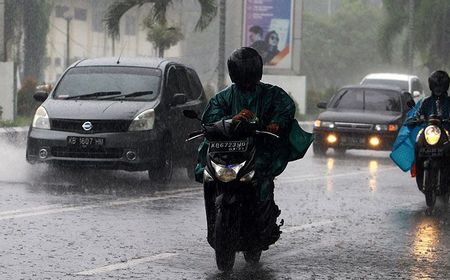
253,256
430,198
224,241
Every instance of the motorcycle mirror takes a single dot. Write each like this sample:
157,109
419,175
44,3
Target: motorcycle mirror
190,114
411,103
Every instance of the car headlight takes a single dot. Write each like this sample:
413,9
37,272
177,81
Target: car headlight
319,123
381,127
41,119
143,121
384,127
227,173
432,134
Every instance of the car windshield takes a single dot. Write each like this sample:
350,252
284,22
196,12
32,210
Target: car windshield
100,82
367,99
403,85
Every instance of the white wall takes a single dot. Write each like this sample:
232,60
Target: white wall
294,85
7,90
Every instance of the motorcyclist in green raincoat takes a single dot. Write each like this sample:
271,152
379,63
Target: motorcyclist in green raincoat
249,99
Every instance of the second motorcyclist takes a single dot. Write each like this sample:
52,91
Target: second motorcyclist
438,83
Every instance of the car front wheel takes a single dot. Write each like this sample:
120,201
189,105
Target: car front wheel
162,173
319,149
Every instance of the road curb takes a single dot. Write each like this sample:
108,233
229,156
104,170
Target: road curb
17,135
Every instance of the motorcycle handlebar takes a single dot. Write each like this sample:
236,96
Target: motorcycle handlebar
267,133
417,121
198,134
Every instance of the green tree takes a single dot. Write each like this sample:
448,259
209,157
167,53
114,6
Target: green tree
32,19
156,20
36,24
162,36
339,49
431,31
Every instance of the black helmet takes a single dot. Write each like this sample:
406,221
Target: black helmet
245,66
438,83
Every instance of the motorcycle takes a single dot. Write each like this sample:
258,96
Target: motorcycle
230,191
432,157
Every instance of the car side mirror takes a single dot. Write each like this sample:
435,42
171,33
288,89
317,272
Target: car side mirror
179,99
322,105
416,93
40,95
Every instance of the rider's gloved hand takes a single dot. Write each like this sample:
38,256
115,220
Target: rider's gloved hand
245,114
273,127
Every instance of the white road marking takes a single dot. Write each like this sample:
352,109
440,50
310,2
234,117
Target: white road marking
134,262
57,208
125,265
324,176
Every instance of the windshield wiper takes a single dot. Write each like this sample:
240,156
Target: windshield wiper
132,94
95,94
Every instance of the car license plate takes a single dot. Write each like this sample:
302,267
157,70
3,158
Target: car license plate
228,146
353,140
85,142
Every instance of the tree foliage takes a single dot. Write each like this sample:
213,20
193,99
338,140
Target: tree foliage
32,18
156,20
36,25
162,36
340,49
431,30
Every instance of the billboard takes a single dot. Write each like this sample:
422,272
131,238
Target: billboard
268,29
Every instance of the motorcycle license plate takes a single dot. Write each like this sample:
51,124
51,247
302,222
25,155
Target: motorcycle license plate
228,146
431,152
85,142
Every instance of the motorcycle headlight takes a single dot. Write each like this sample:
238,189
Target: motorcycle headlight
143,121
227,173
432,134
41,119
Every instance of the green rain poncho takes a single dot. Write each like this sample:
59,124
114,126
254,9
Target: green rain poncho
271,104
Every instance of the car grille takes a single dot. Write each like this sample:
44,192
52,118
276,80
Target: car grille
78,153
361,126
98,126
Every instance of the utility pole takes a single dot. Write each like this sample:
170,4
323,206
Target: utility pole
411,37
2,31
68,19
221,60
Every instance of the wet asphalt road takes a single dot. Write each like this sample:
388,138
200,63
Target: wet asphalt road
353,217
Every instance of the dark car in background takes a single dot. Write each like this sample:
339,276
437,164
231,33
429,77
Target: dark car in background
361,117
127,114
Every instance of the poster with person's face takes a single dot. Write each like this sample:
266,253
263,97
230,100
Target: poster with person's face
268,29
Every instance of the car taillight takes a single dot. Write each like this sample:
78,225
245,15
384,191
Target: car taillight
392,127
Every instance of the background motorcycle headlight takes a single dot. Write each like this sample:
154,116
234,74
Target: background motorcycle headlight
41,119
432,134
143,121
227,173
